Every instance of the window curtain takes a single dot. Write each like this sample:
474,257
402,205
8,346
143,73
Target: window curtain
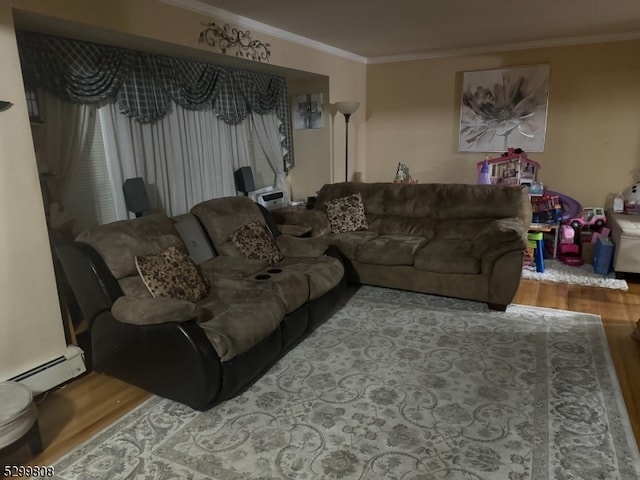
145,86
267,127
185,157
63,139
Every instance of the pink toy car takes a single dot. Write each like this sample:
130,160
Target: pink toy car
591,216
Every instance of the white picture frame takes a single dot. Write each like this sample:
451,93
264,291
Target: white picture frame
306,111
504,108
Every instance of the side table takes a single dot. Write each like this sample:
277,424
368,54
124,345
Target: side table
18,417
553,228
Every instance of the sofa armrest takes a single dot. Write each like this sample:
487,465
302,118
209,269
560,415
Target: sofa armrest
301,247
316,219
500,236
175,360
153,311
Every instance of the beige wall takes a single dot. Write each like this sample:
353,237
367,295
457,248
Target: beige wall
593,125
30,322
312,146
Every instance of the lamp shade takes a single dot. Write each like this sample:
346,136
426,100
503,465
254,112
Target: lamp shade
347,108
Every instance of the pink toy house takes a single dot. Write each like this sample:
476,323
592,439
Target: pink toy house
512,168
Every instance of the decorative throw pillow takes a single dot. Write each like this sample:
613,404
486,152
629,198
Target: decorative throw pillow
171,273
346,214
256,243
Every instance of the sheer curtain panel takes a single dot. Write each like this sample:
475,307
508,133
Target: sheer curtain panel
185,157
267,128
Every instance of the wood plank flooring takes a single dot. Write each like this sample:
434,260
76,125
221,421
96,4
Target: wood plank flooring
68,416
619,311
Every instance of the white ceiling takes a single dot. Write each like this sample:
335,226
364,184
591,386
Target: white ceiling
387,30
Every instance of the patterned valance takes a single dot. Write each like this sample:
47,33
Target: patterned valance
144,84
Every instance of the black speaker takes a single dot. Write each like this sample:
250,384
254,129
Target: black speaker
244,180
311,203
135,196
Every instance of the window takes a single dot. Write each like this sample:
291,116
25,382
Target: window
263,174
88,195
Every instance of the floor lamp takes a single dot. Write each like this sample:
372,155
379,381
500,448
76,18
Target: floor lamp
347,108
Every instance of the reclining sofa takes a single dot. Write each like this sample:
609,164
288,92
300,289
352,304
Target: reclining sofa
197,334
456,240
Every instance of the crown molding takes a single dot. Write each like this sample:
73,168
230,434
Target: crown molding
226,16
564,42
200,7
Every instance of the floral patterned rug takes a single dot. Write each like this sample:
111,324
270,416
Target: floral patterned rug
397,386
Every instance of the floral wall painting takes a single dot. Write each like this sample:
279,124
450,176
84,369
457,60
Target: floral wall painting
307,111
504,108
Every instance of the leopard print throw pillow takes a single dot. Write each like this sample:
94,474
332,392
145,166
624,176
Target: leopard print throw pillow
255,242
171,273
346,214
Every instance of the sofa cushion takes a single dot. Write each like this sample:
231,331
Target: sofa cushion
256,243
231,267
152,311
346,214
289,285
119,242
390,250
223,216
172,274
447,256
241,316
323,273
348,242
302,247
134,286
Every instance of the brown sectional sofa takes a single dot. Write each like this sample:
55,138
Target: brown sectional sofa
463,241
457,240
203,351
303,265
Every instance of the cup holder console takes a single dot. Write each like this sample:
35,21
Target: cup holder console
262,276
274,270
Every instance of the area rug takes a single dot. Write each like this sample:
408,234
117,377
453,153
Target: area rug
397,386
557,272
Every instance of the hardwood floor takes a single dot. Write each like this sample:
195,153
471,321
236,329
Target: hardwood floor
619,311
70,415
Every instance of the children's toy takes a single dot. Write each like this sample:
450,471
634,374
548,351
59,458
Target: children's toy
536,188
618,203
567,235
569,250
511,168
603,256
546,208
570,207
591,217
570,255
484,176
631,196
402,175
535,242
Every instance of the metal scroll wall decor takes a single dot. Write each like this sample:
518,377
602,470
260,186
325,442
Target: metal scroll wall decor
227,38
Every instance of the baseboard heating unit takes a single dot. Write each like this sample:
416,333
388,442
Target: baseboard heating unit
55,372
